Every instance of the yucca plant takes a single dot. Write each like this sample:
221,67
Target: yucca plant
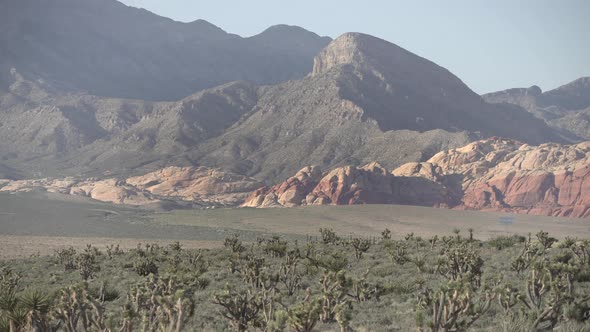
37,305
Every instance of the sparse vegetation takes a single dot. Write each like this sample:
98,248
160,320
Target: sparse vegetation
447,283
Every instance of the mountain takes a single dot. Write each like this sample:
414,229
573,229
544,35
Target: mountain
493,174
566,108
108,49
47,132
366,99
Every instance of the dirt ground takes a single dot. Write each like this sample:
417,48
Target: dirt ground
13,246
40,223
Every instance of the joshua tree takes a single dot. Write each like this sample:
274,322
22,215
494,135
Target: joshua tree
456,306
289,274
334,287
74,306
304,317
162,303
86,262
234,244
459,260
329,236
67,257
360,246
386,234
241,308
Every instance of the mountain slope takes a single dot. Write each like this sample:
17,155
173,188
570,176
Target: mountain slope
46,132
365,100
109,49
565,108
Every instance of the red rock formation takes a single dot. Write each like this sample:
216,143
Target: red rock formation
197,184
370,184
498,174
493,174
291,192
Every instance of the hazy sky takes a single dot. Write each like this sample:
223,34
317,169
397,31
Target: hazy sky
490,45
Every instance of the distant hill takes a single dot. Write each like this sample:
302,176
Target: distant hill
566,108
109,49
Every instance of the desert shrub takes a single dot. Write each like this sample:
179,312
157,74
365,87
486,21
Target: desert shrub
459,260
545,240
103,292
67,257
87,262
234,243
386,235
145,266
304,316
360,246
113,250
398,251
275,247
329,236
503,241
456,306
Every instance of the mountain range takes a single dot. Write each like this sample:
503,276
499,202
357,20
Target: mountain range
115,92
566,108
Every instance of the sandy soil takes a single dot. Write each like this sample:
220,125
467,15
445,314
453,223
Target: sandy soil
32,223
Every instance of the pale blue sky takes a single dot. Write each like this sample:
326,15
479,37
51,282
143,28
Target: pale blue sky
490,45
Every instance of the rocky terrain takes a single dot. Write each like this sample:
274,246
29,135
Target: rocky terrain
200,186
81,112
493,174
366,100
47,132
566,108
109,49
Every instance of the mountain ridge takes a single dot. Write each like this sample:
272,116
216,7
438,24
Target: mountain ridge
565,108
109,49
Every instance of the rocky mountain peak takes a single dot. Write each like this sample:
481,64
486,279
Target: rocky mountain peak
353,48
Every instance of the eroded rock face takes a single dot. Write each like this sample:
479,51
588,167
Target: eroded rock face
352,185
194,184
493,174
499,174
343,185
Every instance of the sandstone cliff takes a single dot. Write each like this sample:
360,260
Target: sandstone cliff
200,185
493,174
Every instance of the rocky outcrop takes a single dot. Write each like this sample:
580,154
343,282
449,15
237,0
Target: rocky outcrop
343,185
348,185
201,185
196,184
353,185
494,174
499,174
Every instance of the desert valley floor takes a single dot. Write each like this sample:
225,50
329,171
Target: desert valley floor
40,223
